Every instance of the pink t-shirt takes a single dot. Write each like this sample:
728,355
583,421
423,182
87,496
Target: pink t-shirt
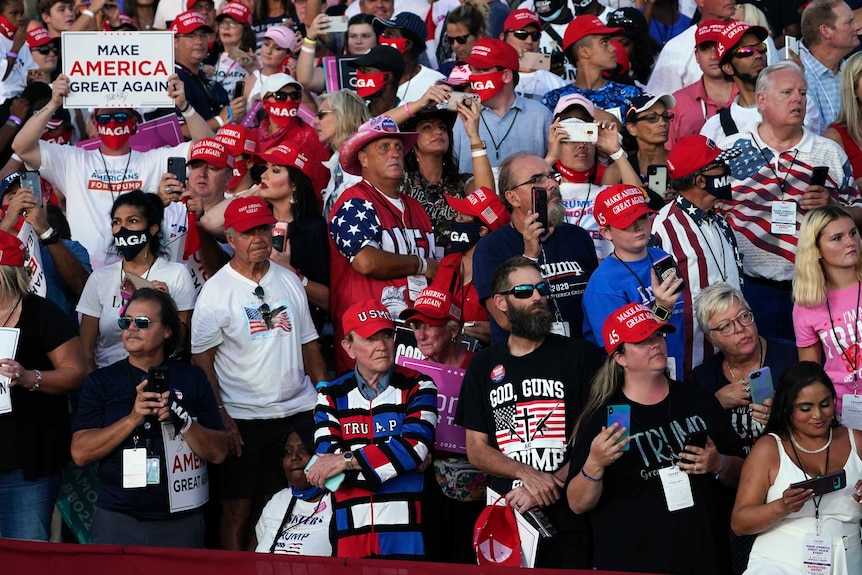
839,342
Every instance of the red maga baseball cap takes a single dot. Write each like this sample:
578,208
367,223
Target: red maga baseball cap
243,214
236,10
39,37
238,139
732,35
709,31
12,250
367,318
693,153
618,206
483,204
434,307
490,53
189,21
632,323
520,19
584,26
211,151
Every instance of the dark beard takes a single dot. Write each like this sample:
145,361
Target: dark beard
523,322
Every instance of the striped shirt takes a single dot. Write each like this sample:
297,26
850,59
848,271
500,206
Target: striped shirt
762,176
377,508
824,88
705,250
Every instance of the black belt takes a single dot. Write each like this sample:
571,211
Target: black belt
786,285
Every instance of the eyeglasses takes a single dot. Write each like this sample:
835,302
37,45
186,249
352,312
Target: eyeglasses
321,113
525,291
140,322
118,117
264,309
282,96
47,49
524,34
195,35
744,319
229,23
749,51
654,118
542,179
458,39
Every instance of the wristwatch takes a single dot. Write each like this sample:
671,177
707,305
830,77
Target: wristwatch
348,460
661,313
477,147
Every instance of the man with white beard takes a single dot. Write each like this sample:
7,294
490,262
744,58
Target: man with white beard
564,252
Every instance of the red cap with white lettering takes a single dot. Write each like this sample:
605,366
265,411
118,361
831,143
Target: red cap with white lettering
236,10
211,151
367,318
618,206
12,250
188,22
434,307
39,37
632,323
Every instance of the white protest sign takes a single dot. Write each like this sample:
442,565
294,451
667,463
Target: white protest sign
118,69
8,348
38,283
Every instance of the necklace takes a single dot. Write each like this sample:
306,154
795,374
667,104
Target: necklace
760,363
811,451
8,317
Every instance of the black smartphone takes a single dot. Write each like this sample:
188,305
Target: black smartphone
177,167
239,89
818,175
663,267
828,483
31,179
695,439
157,379
540,204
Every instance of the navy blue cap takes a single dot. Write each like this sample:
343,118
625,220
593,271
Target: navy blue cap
407,21
12,178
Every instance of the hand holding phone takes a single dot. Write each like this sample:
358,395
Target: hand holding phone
540,205
819,175
621,415
177,167
33,181
664,267
831,482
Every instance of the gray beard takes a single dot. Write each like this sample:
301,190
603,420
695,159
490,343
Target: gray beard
533,326
556,214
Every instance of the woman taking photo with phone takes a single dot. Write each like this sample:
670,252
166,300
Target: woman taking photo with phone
146,434
136,223
808,443
300,241
648,470
827,287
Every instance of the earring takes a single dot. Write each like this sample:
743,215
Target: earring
292,199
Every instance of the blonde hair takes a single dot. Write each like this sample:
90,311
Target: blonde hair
606,383
14,281
713,299
809,281
751,14
849,114
350,113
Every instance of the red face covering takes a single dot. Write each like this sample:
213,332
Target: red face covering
399,44
281,113
369,84
6,28
240,169
487,85
115,136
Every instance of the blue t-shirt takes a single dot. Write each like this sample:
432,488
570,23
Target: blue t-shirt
567,260
662,33
608,97
107,397
56,288
616,284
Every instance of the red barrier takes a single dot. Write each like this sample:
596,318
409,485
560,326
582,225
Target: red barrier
30,558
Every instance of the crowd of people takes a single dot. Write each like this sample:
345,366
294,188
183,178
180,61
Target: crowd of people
219,326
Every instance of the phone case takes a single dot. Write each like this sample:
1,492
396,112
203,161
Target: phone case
177,167
331,484
657,178
825,484
621,414
157,379
761,384
664,266
540,205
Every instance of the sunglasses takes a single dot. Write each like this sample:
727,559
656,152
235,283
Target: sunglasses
749,51
525,291
264,309
524,34
458,39
321,113
140,322
282,96
118,117
47,49
655,117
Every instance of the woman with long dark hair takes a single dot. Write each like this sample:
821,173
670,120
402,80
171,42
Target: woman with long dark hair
136,223
808,443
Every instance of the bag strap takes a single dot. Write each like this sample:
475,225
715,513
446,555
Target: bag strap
727,122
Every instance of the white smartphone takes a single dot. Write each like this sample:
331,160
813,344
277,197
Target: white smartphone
579,131
657,178
790,43
337,24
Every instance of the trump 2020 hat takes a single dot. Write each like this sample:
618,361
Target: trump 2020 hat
632,323
243,214
367,318
618,206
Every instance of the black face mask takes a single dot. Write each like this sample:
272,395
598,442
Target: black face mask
464,236
131,243
719,186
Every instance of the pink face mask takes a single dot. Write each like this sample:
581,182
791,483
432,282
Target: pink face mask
487,85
